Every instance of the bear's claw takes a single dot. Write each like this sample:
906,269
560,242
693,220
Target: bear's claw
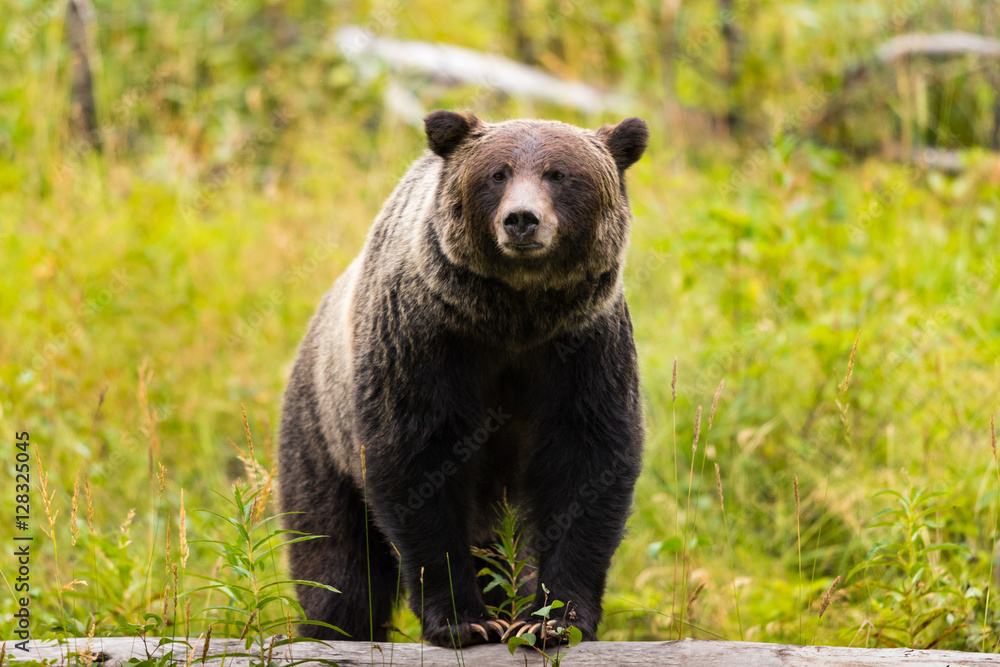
481,630
511,628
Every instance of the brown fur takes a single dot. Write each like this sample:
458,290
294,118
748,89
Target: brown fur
452,323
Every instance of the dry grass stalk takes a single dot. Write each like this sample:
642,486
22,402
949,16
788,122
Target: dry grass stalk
850,364
187,620
993,437
124,528
148,427
265,492
252,468
87,648
127,522
694,596
246,628
3,652
718,485
184,548
90,504
715,402
74,530
43,486
270,650
829,595
191,653
697,429
364,467
208,640
70,585
166,602
176,589
167,558
673,382
161,475
795,483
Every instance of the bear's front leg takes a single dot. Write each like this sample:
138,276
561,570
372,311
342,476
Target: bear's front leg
583,469
420,493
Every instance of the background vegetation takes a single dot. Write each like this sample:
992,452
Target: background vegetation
151,288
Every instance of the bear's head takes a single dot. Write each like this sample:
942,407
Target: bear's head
536,204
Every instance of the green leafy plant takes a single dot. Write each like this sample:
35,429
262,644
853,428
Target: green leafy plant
253,586
548,628
506,565
920,604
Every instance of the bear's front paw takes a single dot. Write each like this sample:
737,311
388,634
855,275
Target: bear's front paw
468,633
555,631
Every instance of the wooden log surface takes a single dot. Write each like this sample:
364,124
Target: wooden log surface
694,653
938,43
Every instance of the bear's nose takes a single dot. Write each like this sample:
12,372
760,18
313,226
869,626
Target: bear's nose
521,223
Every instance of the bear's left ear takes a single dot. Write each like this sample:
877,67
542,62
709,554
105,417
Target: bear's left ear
447,129
626,141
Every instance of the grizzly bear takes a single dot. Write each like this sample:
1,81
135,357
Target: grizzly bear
480,347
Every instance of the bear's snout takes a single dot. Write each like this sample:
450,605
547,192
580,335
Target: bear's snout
525,221
521,225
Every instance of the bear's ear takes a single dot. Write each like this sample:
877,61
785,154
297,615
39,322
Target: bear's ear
626,141
447,129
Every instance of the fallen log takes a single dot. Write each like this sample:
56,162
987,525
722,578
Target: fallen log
455,65
111,652
937,43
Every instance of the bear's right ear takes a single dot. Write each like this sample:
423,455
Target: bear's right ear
447,129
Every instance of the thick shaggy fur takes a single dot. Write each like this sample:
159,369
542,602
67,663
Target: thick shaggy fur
450,365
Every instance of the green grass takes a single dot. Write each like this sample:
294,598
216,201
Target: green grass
766,288
172,262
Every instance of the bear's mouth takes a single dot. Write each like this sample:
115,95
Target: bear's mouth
526,248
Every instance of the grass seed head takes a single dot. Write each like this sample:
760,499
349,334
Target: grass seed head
260,502
673,382
176,589
90,504
194,648
829,594
715,402
74,530
795,483
850,364
185,550
252,467
697,428
246,628
161,474
167,559
270,650
124,528
208,640
718,485
43,486
993,437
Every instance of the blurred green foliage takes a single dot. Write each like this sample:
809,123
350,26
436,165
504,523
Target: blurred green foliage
243,159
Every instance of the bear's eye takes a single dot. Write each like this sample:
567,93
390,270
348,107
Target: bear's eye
499,177
557,176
